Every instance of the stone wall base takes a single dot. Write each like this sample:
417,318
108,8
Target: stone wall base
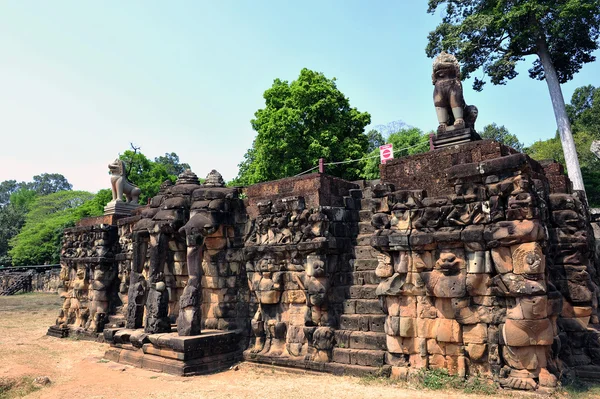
328,367
206,353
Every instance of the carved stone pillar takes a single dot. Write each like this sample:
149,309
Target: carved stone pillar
189,318
157,302
137,283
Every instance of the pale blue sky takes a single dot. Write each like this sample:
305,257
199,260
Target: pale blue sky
80,80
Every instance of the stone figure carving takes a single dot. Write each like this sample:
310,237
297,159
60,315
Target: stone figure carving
450,106
200,226
120,185
267,284
78,305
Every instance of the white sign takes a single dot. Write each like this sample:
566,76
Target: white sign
386,152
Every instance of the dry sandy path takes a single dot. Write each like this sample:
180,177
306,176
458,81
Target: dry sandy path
77,370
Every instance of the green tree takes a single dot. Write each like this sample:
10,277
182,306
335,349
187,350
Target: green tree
12,218
95,206
584,110
307,119
172,164
375,139
407,141
39,240
145,174
48,183
7,187
497,34
502,135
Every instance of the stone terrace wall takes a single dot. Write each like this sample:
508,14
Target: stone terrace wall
46,281
316,189
427,171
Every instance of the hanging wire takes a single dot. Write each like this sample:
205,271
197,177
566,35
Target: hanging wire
306,171
374,156
360,159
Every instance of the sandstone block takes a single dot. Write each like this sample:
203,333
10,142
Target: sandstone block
528,332
502,259
475,334
448,331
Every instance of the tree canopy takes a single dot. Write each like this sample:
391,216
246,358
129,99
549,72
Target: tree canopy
496,34
502,135
307,119
16,199
48,183
404,138
584,113
149,175
172,164
38,242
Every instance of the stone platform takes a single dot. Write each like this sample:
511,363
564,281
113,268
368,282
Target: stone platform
299,362
79,333
169,353
454,137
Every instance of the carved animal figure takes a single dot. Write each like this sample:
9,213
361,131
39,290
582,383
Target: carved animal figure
120,185
450,106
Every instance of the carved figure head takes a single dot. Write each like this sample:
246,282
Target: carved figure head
445,66
117,167
81,273
450,262
315,266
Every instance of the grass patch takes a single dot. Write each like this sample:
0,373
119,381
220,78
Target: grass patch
437,379
580,389
16,387
375,380
103,361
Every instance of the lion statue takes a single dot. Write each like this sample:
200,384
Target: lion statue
120,185
452,111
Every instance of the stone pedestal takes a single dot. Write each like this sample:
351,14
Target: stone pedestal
120,208
58,332
454,137
208,352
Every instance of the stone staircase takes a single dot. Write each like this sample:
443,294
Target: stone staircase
361,341
22,283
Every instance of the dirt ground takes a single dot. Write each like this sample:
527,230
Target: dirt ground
76,368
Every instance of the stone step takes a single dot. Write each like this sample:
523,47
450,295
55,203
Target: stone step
362,306
374,205
363,322
363,240
365,215
365,291
361,265
365,252
360,340
365,228
344,280
360,357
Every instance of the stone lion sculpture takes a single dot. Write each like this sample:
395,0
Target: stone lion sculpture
452,111
120,185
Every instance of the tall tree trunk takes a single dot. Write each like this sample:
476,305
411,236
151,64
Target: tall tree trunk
560,112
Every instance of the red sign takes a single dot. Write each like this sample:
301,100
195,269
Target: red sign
386,152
